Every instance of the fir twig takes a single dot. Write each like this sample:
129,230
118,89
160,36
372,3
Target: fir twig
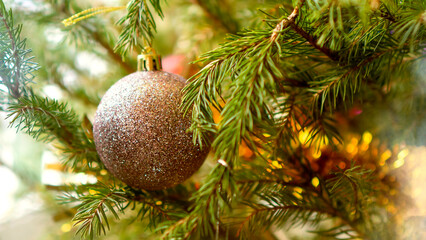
250,91
138,23
411,25
16,67
314,42
203,220
274,212
13,85
285,23
48,120
349,81
95,202
278,201
91,217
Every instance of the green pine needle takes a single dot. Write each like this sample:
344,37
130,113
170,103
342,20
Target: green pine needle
16,66
138,24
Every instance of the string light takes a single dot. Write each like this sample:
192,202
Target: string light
367,137
276,164
66,227
385,156
298,193
315,182
316,154
403,154
303,136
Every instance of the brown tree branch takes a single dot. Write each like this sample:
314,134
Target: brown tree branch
285,23
290,21
313,41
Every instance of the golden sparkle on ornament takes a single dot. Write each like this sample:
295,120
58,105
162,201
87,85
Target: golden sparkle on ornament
140,132
298,193
315,182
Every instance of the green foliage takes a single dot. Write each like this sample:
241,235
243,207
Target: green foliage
210,201
280,80
254,65
273,201
360,53
138,23
410,25
96,202
91,217
16,67
350,185
48,120
279,208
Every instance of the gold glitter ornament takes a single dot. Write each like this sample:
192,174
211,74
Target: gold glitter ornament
140,132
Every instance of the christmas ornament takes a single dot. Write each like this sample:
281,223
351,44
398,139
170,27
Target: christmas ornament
140,132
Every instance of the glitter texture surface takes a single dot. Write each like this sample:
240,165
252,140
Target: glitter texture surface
140,132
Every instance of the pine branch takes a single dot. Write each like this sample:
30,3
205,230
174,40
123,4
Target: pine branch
349,81
410,27
16,68
91,217
348,185
203,220
387,14
314,42
48,120
284,212
254,52
356,68
276,202
256,178
289,115
13,85
97,201
281,205
43,108
322,130
286,22
157,208
138,23
174,231
344,188
332,18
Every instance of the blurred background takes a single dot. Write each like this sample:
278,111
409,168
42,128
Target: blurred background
78,65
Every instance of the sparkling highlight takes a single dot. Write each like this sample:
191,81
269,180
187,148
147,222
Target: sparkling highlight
140,132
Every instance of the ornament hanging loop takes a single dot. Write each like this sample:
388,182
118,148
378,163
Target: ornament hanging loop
149,60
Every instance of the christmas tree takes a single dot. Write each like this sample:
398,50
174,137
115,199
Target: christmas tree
305,105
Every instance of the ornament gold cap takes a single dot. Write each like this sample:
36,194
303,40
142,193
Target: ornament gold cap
149,61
